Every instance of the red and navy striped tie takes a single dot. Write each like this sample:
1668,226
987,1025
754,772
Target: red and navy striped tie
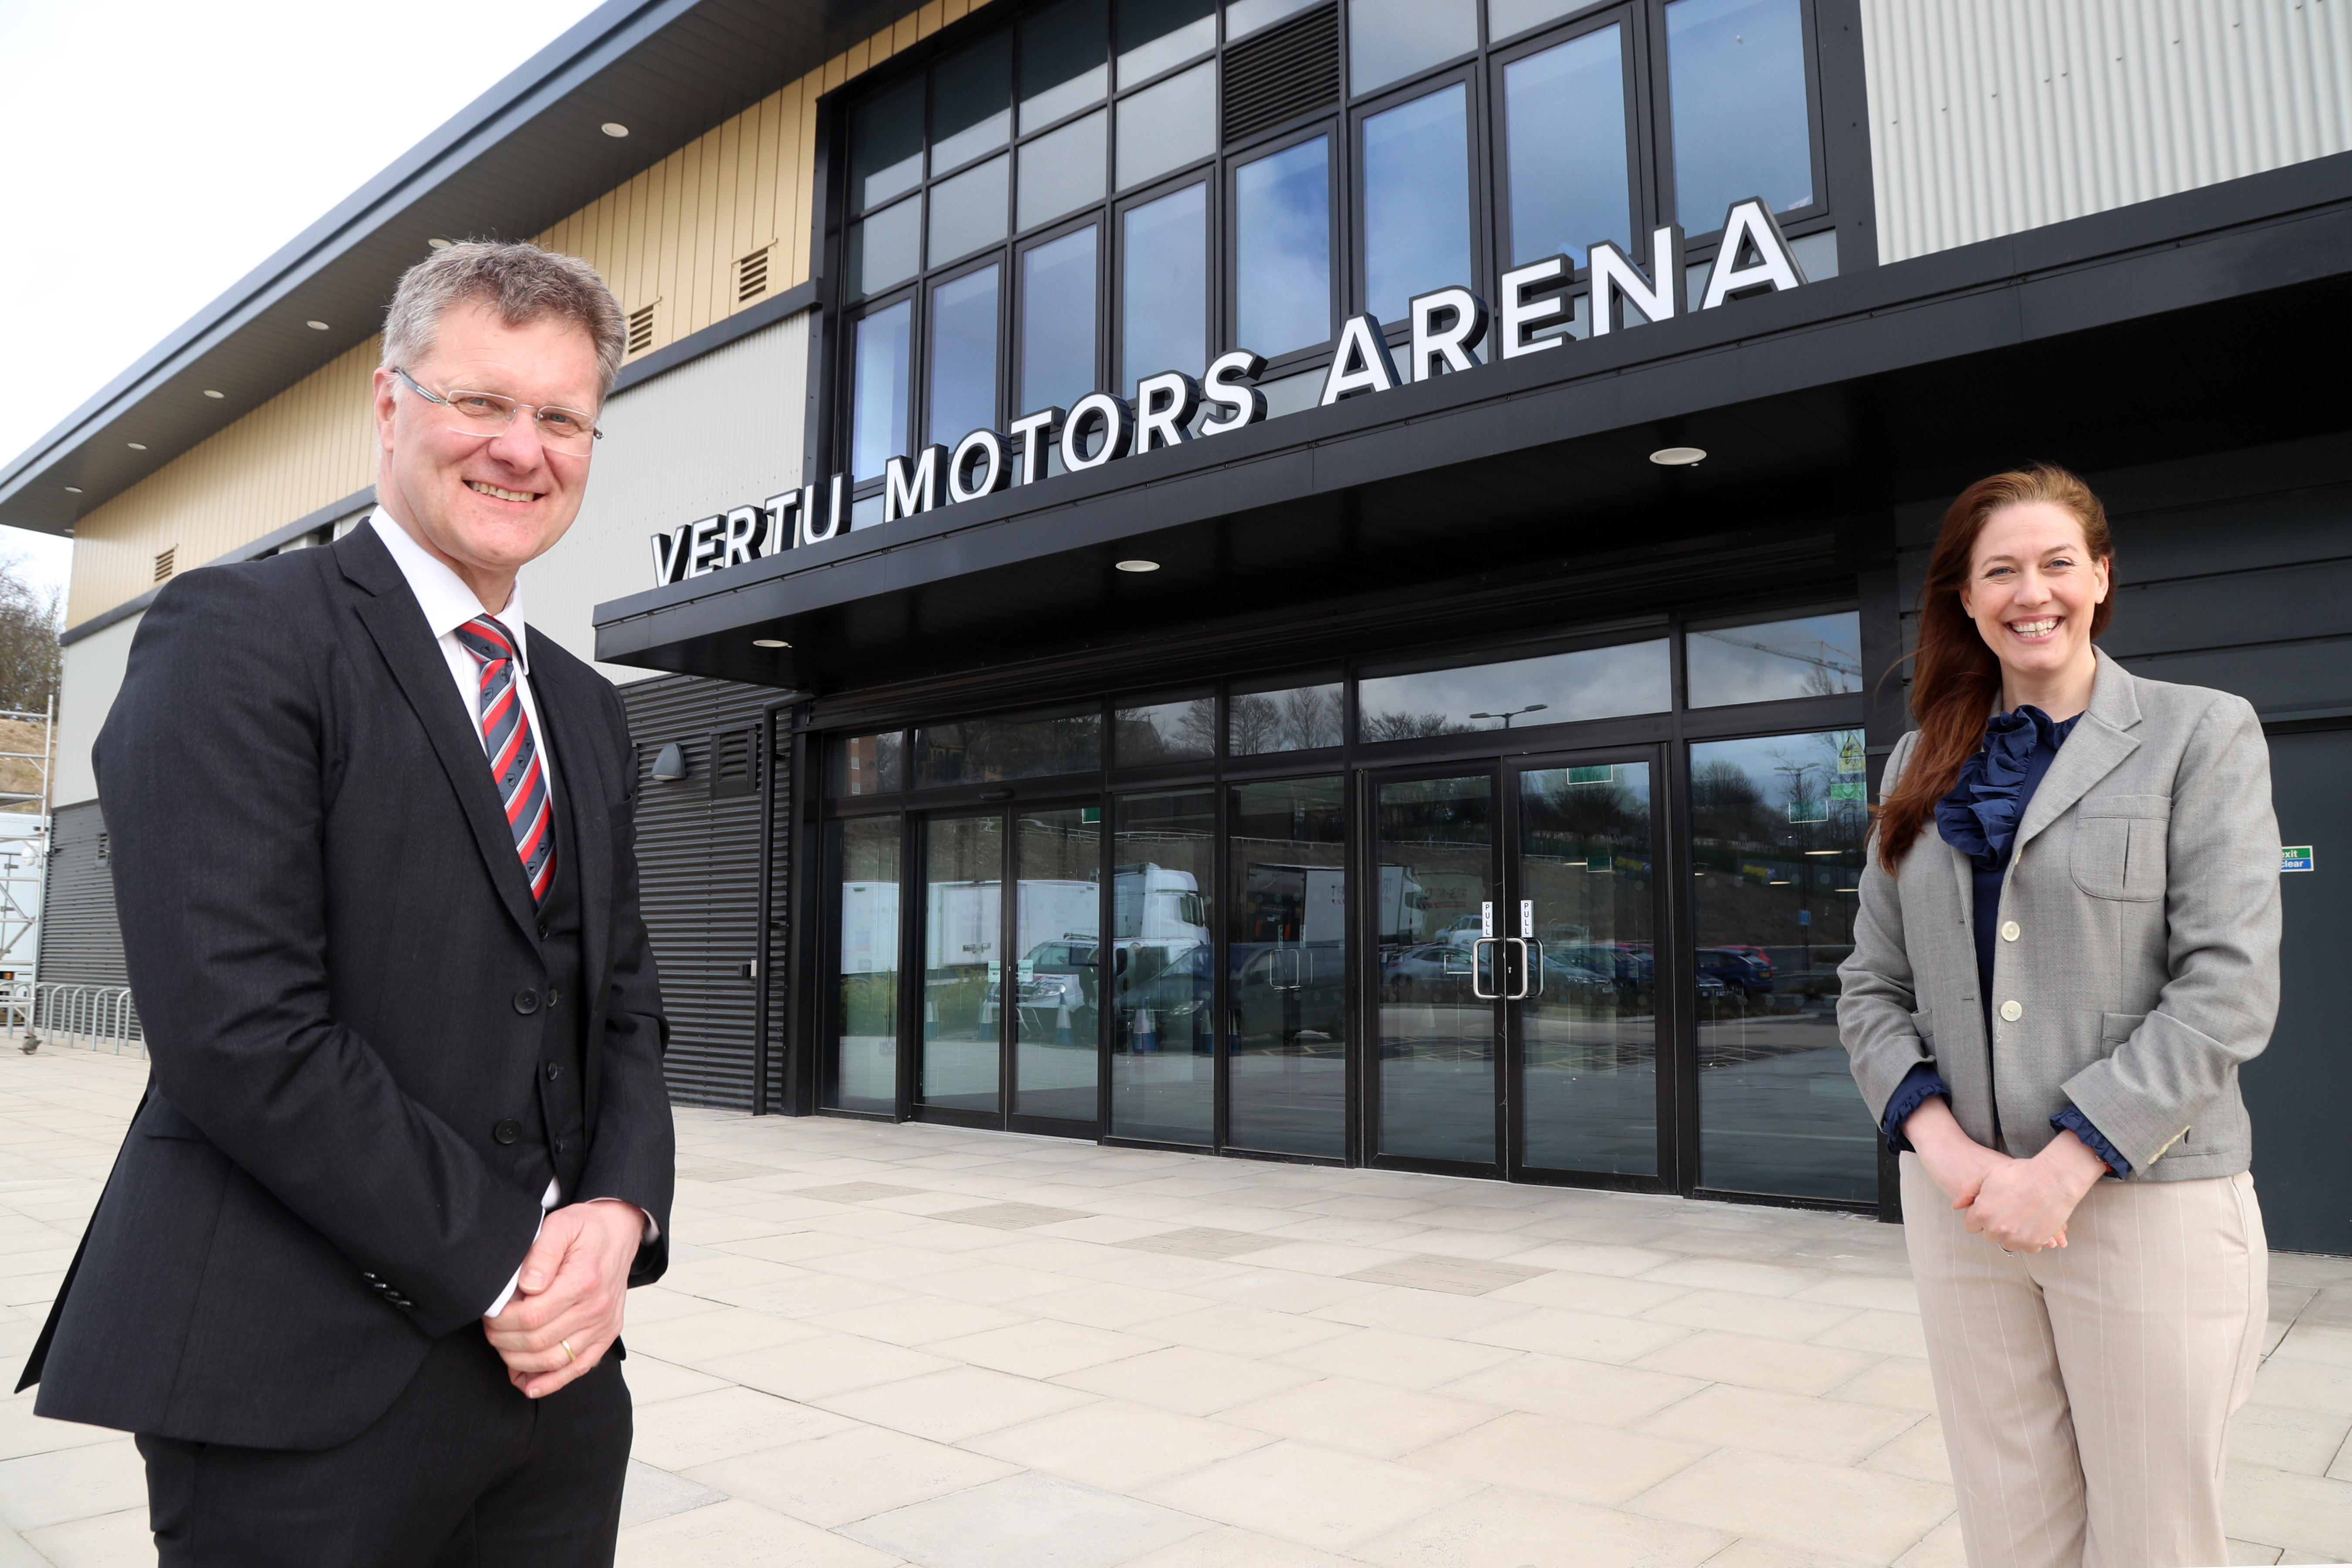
513,752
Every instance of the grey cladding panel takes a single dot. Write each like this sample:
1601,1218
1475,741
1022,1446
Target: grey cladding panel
81,943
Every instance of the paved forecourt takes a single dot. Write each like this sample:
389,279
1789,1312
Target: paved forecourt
914,1344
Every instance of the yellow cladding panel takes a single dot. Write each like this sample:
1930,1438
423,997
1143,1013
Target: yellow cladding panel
312,445
670,238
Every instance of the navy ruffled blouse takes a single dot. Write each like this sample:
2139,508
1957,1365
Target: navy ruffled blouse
1980,818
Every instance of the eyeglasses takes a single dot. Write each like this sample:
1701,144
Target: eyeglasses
490,414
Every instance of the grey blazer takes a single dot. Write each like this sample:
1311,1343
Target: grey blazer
2137,962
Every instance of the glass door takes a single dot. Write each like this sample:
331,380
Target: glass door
959,1067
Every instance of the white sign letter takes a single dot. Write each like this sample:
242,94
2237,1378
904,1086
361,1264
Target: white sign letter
1750,225
1436,349
1362,363
1617,282
1231,383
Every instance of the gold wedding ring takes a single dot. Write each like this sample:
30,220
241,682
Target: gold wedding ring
568,1351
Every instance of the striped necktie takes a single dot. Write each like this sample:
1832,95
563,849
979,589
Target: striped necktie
513,752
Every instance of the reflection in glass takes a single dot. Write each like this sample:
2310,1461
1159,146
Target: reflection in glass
1286,719
1156,34
1736,70
1168,126
1062,65
868,764
1165,325
1777,828
1589,1028
1416,199
1388,40
878,427
1435,854
971,102
1163,975
1056,979
1554,689
886,249
1816,656
862,861
1057,321
1013,746
1564,128
1247,17
886,146
1062,173
1288,961
969,211
1179,730
1505,17
963,355
1282,240
963,917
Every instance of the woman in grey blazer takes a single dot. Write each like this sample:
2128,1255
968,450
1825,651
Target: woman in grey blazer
2066,946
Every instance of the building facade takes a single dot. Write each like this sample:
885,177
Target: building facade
1327,579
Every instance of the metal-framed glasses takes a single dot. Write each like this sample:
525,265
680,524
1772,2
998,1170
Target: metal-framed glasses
491,414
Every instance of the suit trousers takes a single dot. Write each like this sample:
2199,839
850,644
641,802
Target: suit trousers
461,1471
2087,1391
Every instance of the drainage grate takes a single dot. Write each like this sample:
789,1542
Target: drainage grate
641,329
752,276
1283,73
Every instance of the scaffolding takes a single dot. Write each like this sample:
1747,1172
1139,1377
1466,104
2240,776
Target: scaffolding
25,857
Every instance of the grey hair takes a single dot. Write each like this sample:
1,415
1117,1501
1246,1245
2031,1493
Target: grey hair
521,282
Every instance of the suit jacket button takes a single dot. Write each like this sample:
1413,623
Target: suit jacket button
2013,1011
526,1000
553,996
2011,930
553,1072
507,1132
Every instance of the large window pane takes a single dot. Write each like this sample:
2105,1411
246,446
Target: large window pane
963,961
1388,40
1155,33
1282,221
1554,688
1287,718
886,146
1165,246
1057,321
1591,1028
1288,957
886,249
867,764
1181,729
1063,172
1777,831
862,861
1064,63
1416,200
879,423
1168,126
1436,1053
1815,656
1059,899
1564,123
969,211
971,102
1015,746
1737,72
963,356
1163,977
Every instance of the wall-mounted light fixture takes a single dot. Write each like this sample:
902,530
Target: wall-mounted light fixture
669,764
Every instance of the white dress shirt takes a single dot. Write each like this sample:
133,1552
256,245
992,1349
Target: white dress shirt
448,603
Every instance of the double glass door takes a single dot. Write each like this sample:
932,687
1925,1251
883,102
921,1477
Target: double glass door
1515,912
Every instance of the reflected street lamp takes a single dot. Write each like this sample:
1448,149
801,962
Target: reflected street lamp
1507,717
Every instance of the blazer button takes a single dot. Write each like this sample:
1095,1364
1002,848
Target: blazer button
507,1132
553,1072
2013,1011
526,1000
553,996
2011,930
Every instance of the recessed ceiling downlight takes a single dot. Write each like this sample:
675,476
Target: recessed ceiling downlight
769,642
316,326
1139,565
73,489
615,128
438,243
1678,457
136,446
210,392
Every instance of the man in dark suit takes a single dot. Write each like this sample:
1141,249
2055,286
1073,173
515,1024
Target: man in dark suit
356,1275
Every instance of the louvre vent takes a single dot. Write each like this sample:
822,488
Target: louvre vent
1283,73
752,276
641,329
735,762
163,563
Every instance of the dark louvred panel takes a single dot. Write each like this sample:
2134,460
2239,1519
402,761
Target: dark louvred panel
1283,73
82,944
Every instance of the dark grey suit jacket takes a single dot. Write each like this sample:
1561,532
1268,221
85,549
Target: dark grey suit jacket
327,933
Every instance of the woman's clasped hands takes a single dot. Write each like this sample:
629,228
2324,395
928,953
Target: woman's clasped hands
2019,1206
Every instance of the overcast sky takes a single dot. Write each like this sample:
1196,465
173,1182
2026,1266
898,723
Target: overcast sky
153,152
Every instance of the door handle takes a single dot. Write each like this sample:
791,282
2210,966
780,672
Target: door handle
1531,976
1484,941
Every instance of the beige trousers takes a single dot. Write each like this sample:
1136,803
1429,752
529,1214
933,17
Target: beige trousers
2086,1391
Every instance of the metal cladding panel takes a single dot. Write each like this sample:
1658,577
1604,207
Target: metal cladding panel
2000,115
81,942
698,883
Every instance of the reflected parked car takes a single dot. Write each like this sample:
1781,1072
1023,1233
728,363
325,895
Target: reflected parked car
1736,971
1755,955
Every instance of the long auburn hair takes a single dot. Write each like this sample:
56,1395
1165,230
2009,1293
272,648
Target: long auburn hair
1956,680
